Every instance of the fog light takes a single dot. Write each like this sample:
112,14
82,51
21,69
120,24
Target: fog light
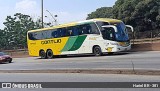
109,49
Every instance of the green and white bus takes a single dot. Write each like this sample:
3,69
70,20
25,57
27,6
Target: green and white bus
96,36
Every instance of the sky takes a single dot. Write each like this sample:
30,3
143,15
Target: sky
67,10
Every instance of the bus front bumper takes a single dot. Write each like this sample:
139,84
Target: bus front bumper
118,48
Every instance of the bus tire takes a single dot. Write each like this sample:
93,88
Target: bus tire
97,51
42,54
49,54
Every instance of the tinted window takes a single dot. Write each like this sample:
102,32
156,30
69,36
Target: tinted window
40,35
63,32
75,31
88,29
46,34
108,33
72,31
36,36
31,36
94,29
84,29
55,33
69,31
100,24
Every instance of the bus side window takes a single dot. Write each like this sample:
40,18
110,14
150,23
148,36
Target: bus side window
46,34
100,24
68,31
88,29
108,33
58,33
35,36
72,31
38,35
55,34
75,31
79,29
43,35
63,33
31,36
94,29
83,29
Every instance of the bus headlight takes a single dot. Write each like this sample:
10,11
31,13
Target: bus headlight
114,44
124,43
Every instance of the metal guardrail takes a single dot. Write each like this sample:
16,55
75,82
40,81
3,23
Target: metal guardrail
16,50
147,40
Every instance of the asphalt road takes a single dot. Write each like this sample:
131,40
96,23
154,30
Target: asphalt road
141,60
128,60
49,77
75,77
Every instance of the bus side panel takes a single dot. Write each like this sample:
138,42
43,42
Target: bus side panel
33,47
91,41
69,43
73,44
96,40
56,45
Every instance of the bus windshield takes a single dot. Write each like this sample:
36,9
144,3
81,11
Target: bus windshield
121,35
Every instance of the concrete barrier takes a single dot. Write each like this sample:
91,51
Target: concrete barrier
146,47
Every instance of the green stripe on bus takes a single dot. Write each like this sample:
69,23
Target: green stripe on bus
78,43
69,43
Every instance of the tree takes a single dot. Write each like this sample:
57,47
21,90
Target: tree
14,33
143,15
16,29
101,13
2,39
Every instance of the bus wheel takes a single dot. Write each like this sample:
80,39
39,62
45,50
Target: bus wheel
97,51
42,54
49,54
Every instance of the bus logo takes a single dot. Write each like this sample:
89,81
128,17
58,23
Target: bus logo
51,41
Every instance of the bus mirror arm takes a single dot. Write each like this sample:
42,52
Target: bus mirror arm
129,26
111,26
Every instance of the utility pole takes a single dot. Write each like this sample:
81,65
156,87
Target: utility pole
42,12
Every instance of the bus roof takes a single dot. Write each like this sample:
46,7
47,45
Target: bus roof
107,20
79,23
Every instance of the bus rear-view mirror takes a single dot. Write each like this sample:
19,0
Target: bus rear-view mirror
130,27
